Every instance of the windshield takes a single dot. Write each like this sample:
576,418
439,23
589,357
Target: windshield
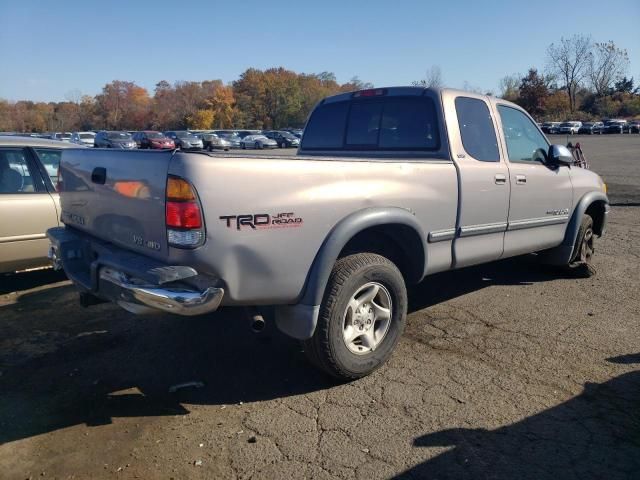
588,124
64,135
288,136
185,135
86,135
119,136
154,135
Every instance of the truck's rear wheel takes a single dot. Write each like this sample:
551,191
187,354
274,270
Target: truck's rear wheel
361,318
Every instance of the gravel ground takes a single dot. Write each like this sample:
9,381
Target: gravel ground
507,370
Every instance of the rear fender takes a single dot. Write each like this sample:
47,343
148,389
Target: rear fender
299,321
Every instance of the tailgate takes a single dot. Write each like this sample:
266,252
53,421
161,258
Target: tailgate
117,196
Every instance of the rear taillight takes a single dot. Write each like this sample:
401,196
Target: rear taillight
183,215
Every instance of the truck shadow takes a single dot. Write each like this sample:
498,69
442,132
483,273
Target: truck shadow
594,435
62,365
14,282
523,270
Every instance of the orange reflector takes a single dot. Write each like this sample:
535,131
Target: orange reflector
179,190
132,189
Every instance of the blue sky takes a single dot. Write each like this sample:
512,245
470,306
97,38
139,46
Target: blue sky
48,50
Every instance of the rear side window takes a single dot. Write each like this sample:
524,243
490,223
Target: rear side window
51,161
15,172
476,129
391,123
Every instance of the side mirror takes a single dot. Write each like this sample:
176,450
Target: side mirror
560,155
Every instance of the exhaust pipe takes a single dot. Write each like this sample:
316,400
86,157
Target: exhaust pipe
256,319
257,323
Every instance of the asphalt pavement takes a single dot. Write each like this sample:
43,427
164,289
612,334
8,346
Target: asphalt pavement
510,370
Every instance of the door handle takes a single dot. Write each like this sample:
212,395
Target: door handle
500,179
521,179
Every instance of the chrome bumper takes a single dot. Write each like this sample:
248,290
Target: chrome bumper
137,284
180,301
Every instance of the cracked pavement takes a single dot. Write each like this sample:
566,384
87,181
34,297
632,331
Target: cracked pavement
507,370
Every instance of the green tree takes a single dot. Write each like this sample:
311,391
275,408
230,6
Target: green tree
533,93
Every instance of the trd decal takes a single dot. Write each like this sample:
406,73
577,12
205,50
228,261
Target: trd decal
262,220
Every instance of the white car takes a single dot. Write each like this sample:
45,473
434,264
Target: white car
85,139
257,141
62,136
569,127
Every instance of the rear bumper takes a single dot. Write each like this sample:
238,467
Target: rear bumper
136,283
181,301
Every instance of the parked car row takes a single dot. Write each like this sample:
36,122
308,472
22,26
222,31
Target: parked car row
183,139
592,128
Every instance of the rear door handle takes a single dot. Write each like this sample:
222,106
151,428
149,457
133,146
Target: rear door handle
521,179
500,179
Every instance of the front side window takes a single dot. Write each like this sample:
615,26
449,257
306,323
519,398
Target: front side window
524,141
50,158
476,129
15,174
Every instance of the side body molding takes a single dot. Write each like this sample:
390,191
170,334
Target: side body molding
299,321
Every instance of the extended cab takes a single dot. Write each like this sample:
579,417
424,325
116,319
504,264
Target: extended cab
389,186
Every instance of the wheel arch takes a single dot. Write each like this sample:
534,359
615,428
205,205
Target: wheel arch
593,203
387,231
351,234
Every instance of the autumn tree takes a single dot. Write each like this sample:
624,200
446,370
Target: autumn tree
557,105
570,60
201,119
123,105
164,107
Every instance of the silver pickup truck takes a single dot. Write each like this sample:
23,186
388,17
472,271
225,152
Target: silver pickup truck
389,186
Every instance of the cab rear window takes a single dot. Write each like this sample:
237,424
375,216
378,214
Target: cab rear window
390,123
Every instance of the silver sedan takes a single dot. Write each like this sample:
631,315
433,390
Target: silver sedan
258,141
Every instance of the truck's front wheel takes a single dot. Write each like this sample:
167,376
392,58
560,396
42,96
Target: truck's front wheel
361,318
581,262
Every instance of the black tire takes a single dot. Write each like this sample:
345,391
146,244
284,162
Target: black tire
581,261
327,349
